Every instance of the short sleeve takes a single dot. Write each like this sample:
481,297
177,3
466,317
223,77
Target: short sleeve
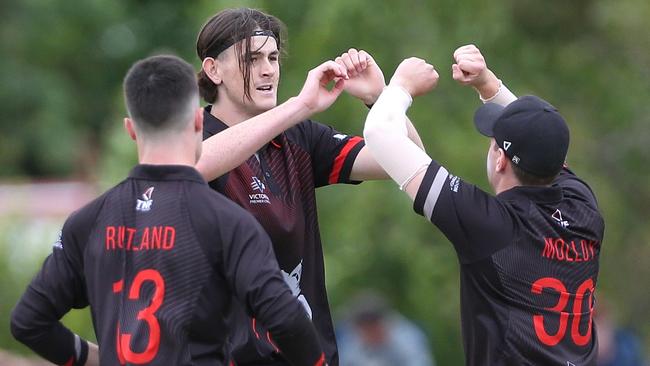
332,152
61,278
477,223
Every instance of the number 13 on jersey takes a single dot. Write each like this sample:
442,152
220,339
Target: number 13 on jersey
123,342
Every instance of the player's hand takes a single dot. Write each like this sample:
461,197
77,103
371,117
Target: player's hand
470,67
366,79
315,93
416,76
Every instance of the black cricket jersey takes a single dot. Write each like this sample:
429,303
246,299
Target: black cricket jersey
158,258
528,267
277,185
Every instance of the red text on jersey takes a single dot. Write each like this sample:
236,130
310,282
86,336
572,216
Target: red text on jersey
148,238
569,251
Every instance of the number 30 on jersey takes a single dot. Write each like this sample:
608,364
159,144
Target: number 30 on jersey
538,320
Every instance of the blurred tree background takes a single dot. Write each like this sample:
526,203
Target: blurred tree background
61,115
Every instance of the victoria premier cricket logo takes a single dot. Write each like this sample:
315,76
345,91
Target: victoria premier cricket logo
258,196
144,204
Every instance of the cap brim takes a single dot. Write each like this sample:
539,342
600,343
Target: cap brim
485,117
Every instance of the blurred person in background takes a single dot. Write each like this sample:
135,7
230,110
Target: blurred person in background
617,346
374,334
271,167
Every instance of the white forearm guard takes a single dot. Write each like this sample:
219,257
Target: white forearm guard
386,136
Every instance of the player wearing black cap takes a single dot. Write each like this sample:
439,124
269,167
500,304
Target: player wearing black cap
272,167
160,256
529,255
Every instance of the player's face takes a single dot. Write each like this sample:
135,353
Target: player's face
264,77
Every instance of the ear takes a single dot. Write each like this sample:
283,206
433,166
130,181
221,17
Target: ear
198,120
130,128
211,69
502,161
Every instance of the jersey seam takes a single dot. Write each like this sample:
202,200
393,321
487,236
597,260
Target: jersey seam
87,238
206,257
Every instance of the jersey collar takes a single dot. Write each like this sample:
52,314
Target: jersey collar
532,193
165,172
211,124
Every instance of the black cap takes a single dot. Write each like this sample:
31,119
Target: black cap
531,132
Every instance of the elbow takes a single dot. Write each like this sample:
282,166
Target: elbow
369,126
19,327
374,127
380,136
24,324
369,134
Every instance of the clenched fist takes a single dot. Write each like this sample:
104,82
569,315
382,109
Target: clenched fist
470,67
416,76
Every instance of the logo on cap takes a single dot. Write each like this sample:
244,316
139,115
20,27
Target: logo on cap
530,131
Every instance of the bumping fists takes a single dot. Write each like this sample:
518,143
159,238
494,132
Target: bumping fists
415,76
358,74
418,77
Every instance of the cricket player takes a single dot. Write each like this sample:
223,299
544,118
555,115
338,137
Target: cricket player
159,257
272,167
529,252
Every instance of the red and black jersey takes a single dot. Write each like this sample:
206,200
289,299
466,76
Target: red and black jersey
277,185
528,266
158,258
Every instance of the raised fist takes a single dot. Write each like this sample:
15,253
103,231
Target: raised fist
415,75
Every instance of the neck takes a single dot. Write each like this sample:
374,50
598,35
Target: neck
507,182
167,152
229,113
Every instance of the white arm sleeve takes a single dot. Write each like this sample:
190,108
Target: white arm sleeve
387,139
503,96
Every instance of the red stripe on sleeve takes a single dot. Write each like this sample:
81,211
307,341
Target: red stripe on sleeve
340,159
70,362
